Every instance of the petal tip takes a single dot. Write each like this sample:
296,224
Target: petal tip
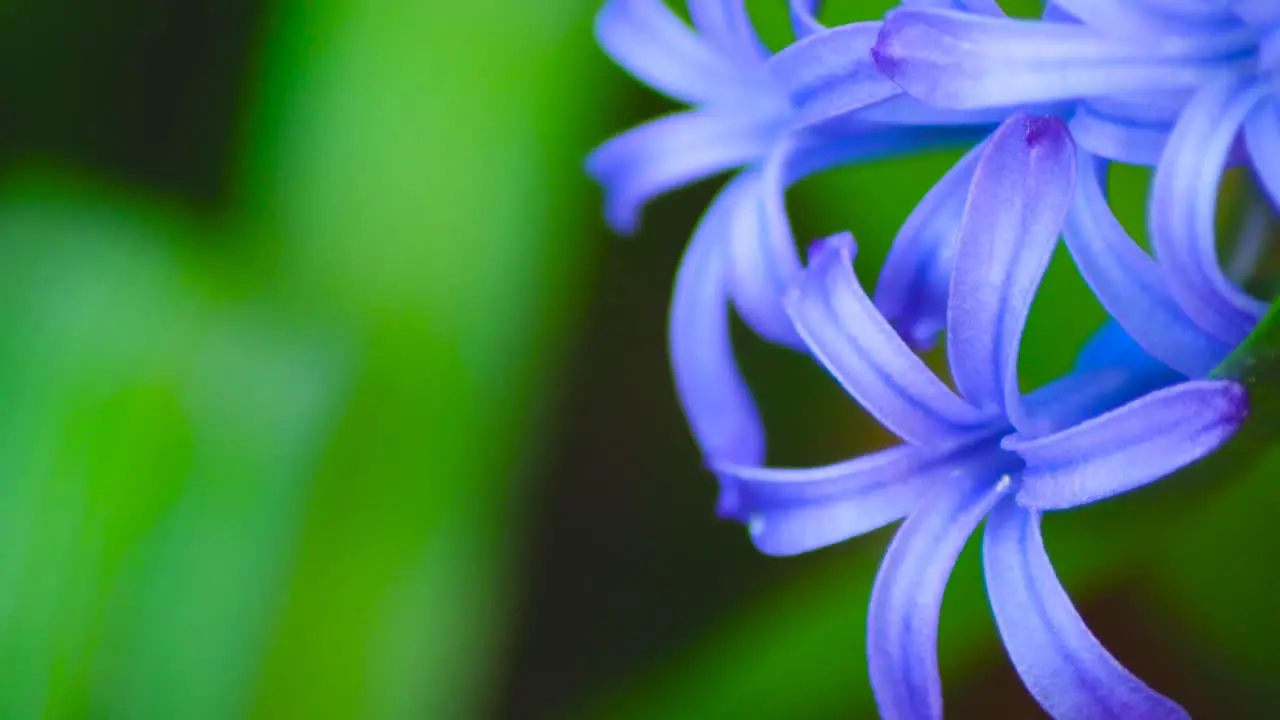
1040,130
815,248
840,247
729,497
901,35
920,333
624,222
882,49
841,242
728,506
1038,133
1236,396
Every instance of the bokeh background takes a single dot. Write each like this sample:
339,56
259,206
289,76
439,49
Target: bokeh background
324,392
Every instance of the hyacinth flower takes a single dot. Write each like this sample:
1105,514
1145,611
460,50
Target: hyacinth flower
826,84
718,67
966,456
738,117
1166,82
742,251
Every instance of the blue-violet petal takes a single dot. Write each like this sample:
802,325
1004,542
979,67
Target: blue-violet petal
1021,189
648,40
858,346
1130,285
790,511
671,152
1262,133
715,397
830,73
962,60
1184,198
727,25
902,620
1067,670
915,280
1129,447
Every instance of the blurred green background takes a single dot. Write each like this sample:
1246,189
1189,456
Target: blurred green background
324,392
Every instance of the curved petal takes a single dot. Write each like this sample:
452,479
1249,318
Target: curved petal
804,17
648,40
1130,446
1072,399
1083,395
760,269
1116,138
716,400
1067,670
1130,285
981,7
1111,347
1183,207
1021,189
1155,107
1251,241
830,74
963,60
807,153
671,152
792,511
905,110
763,258
908,112
727,25
1269,48
1054,13
902,620
1130,19
861,350
1207,14
1262,135
1104,14
1110,370
915,279
1258,13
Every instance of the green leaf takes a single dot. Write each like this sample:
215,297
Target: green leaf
411,176
154,446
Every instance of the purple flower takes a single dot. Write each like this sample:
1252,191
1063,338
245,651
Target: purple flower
987,451
826,76
719,67
1166,82
743,251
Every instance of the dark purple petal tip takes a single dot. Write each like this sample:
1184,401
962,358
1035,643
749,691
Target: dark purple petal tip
1126,448
728,502
903,32
729,497
816,247
840,242
1236,397
1040,133
882,50
1041,130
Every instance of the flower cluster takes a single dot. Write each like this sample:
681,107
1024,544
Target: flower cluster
1045,104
